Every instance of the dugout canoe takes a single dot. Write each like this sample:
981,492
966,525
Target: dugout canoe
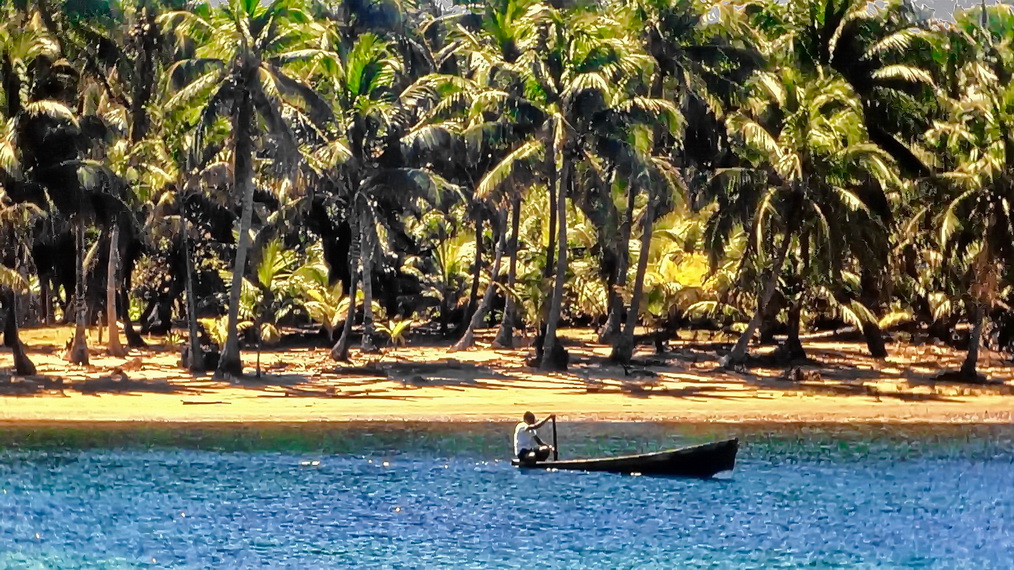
697,461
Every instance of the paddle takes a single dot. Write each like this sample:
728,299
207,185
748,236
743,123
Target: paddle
556,450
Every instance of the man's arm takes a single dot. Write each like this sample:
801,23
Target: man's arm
544,420
539,441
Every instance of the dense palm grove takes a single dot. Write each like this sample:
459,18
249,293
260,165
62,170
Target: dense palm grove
371,168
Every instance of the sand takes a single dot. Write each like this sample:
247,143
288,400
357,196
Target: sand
432,383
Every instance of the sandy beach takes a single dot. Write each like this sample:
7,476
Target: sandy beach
431,383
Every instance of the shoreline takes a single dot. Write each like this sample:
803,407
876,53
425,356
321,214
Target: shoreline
431,384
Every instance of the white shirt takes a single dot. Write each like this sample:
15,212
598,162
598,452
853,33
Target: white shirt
524,437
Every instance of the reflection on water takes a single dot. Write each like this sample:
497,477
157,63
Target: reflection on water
418,495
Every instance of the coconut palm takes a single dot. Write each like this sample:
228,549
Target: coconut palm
476,317
16,221
579,90
241,70
698,66
490,112
872,48
975,227
814,176
53,142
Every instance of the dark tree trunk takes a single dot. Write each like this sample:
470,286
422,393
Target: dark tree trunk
23,366
623,349
547,270
134,339
340,351
739,351
614,302
114,347
230,363
12,86
614,319
146,34
368,343
195,354
969,368
473,293
769,321
505,335
792,349
552,353
870,297
77,353
468,338
875,340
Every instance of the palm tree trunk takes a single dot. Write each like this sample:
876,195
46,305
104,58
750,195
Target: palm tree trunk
468,339
505,335
793,348
473,293
146,34
623,350
23,366
547,270
78,351
611,329
870,295
768,327
230,363
368,344
340,351
969,368
874,337
738,354
556,304
134,339
114,348
195,360
47,301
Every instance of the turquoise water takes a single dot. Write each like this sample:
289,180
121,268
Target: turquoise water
418,496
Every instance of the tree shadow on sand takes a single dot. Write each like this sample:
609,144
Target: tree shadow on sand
12,385
121,384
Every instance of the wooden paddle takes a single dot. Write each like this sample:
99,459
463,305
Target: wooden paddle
556,450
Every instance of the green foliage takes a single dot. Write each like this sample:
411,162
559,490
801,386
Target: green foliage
396,330
872,143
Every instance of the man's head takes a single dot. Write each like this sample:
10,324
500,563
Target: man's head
529,418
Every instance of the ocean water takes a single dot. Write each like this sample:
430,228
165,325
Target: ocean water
445,496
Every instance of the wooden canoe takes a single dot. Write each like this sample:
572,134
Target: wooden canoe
698,461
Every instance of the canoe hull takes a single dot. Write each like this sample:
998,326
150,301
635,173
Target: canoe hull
698,461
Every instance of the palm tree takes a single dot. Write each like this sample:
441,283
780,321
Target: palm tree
240,70
699,67
476,317
42,137
380,115
487,114
872,48
577,90
15,226
663,185
55,176
975,226
814,176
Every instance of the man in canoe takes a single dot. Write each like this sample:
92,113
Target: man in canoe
528,446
